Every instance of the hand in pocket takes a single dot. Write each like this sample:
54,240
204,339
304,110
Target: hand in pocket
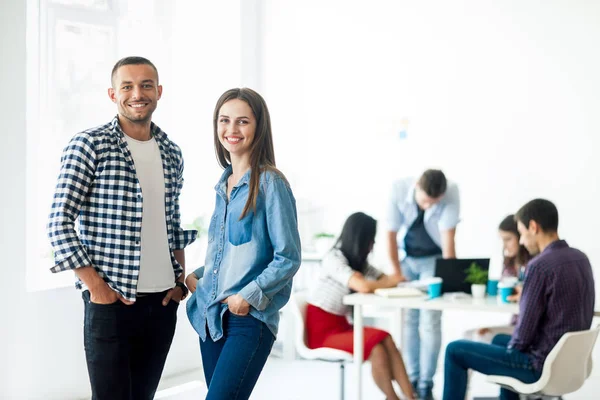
104,295
237,305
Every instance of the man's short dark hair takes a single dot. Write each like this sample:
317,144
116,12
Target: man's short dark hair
542,211
433,182
133,60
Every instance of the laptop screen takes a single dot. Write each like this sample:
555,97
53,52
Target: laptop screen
452,272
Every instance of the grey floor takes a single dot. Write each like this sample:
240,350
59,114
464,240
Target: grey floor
300,380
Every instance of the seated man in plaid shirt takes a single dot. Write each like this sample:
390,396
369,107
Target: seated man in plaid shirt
558,297
122,182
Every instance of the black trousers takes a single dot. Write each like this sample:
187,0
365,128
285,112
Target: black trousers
126,346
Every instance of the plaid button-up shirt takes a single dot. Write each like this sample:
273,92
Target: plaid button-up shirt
98,185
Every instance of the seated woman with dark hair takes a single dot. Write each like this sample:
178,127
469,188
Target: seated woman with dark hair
516,258
345,269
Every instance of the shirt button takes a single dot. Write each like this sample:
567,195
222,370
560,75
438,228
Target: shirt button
214,271
137,243
139,196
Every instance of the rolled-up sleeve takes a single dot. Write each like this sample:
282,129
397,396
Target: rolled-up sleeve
451,214
282,228
199,272
74,181
181,237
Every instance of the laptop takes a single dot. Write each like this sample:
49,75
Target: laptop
452,272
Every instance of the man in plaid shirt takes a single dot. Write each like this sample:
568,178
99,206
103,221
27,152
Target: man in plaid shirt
122,182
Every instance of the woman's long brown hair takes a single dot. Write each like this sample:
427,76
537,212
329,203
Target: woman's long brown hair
509,224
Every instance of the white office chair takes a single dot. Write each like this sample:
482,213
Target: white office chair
565,370
299,304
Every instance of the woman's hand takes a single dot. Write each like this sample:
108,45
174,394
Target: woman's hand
517,296
191,281
483,331
237,305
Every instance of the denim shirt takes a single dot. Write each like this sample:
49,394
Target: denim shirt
403,212
255,257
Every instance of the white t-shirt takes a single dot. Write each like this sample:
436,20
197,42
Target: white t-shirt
156,269
332,285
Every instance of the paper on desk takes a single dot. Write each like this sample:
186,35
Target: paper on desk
420,284
399,292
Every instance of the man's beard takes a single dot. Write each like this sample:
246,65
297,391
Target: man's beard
137,119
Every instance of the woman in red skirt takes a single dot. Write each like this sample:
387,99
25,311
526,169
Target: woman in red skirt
345,269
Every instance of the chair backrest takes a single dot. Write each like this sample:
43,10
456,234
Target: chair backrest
569,363
299,305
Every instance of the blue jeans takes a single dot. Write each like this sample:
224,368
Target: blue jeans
489,359
421,347
233,363
126,346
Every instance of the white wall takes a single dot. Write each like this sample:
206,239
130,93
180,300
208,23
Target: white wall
12,172
503,96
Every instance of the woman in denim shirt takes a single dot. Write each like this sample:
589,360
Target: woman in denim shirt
253,250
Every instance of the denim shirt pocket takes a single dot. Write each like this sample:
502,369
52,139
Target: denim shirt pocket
240,231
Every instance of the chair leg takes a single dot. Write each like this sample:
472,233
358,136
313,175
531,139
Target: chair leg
342,377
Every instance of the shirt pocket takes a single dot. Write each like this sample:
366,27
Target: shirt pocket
240,231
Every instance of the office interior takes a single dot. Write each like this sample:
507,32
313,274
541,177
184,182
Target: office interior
500,95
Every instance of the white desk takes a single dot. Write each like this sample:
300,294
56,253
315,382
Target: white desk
358,300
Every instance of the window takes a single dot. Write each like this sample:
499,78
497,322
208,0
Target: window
72,47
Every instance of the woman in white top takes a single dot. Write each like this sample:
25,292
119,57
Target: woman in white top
345,269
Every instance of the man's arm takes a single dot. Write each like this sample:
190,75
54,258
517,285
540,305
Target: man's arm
176,294
77,171
449,220
180,257
181,237
394,220
531,309
100,292
448,245
393,252
76,176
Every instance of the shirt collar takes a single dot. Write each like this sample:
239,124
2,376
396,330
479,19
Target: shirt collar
221,186
157,133
557,244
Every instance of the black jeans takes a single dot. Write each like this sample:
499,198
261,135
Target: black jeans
126,346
